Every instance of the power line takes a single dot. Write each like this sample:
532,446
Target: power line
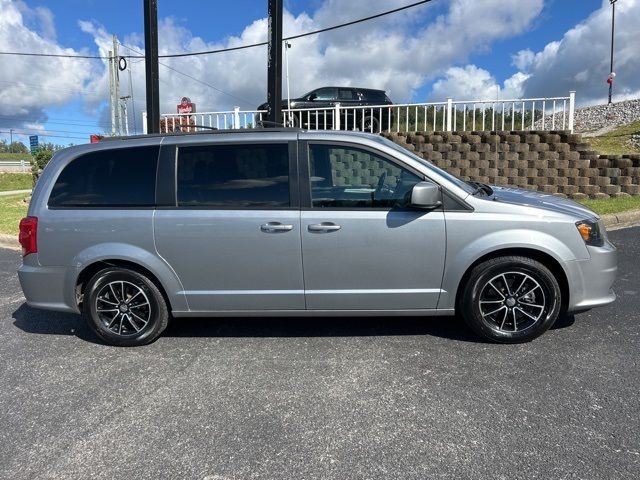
196,79
37,119
40,134
54,55
75,132
43,87
314,32
81,125
229,49
72,123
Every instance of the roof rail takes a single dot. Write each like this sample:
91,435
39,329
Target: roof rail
206,132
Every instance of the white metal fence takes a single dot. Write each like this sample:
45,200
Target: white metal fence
552,113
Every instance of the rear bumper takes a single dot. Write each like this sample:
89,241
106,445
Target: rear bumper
46,287
591,281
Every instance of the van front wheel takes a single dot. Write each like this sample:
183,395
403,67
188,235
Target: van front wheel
511,299
124,307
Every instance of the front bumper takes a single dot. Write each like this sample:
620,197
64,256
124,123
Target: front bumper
591,281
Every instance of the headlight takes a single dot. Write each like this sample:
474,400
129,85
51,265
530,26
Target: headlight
590,233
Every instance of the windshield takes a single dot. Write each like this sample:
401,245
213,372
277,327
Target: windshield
455,180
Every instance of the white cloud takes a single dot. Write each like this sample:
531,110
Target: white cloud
47,26
399,53
28,85
523,59
580,60
392,53
34,127
474,83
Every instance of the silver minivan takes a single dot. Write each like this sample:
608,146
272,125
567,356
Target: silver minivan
132,232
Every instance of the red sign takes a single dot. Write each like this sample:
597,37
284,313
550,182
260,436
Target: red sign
186,106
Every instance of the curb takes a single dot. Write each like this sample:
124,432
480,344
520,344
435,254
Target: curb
7,193
614,221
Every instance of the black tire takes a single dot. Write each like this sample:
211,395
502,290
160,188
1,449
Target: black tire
519,289
371,125
114,307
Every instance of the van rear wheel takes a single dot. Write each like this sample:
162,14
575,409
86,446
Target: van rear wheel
124,307
511,299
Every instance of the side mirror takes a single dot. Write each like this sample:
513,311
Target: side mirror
313,96
426,195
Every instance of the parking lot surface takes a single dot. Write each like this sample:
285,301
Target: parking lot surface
339,398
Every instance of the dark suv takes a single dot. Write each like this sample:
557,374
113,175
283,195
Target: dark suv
315,109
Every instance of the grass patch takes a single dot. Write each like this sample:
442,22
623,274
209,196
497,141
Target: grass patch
613,205
615,142
12,209
15,181
16,156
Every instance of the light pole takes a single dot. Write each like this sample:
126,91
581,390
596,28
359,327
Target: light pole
287,46
613,26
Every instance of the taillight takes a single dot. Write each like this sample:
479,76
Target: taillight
28,235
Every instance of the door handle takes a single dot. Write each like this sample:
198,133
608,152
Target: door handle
275,227
323,227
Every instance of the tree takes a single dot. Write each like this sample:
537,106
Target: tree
15,147
18,147
41,158
50,146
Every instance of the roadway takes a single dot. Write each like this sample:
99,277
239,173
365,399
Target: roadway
222,399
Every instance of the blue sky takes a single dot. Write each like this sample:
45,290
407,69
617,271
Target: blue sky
216,20
447,47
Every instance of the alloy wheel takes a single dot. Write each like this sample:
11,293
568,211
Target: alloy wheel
512,302
123,307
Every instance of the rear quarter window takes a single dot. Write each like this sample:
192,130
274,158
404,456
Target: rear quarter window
123,177
375,96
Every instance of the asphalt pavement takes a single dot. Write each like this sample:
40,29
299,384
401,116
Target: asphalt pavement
392,398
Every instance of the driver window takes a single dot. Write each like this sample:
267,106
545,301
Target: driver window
346,177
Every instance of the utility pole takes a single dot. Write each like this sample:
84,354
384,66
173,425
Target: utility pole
613,27
274,64
11,141
112,93
151,65
133,101
116,82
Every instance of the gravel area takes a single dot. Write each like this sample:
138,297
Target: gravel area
634,141
599,117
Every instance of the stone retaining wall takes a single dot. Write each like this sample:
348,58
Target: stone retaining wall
554,162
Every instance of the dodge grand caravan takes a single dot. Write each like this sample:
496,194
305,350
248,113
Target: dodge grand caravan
132,232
